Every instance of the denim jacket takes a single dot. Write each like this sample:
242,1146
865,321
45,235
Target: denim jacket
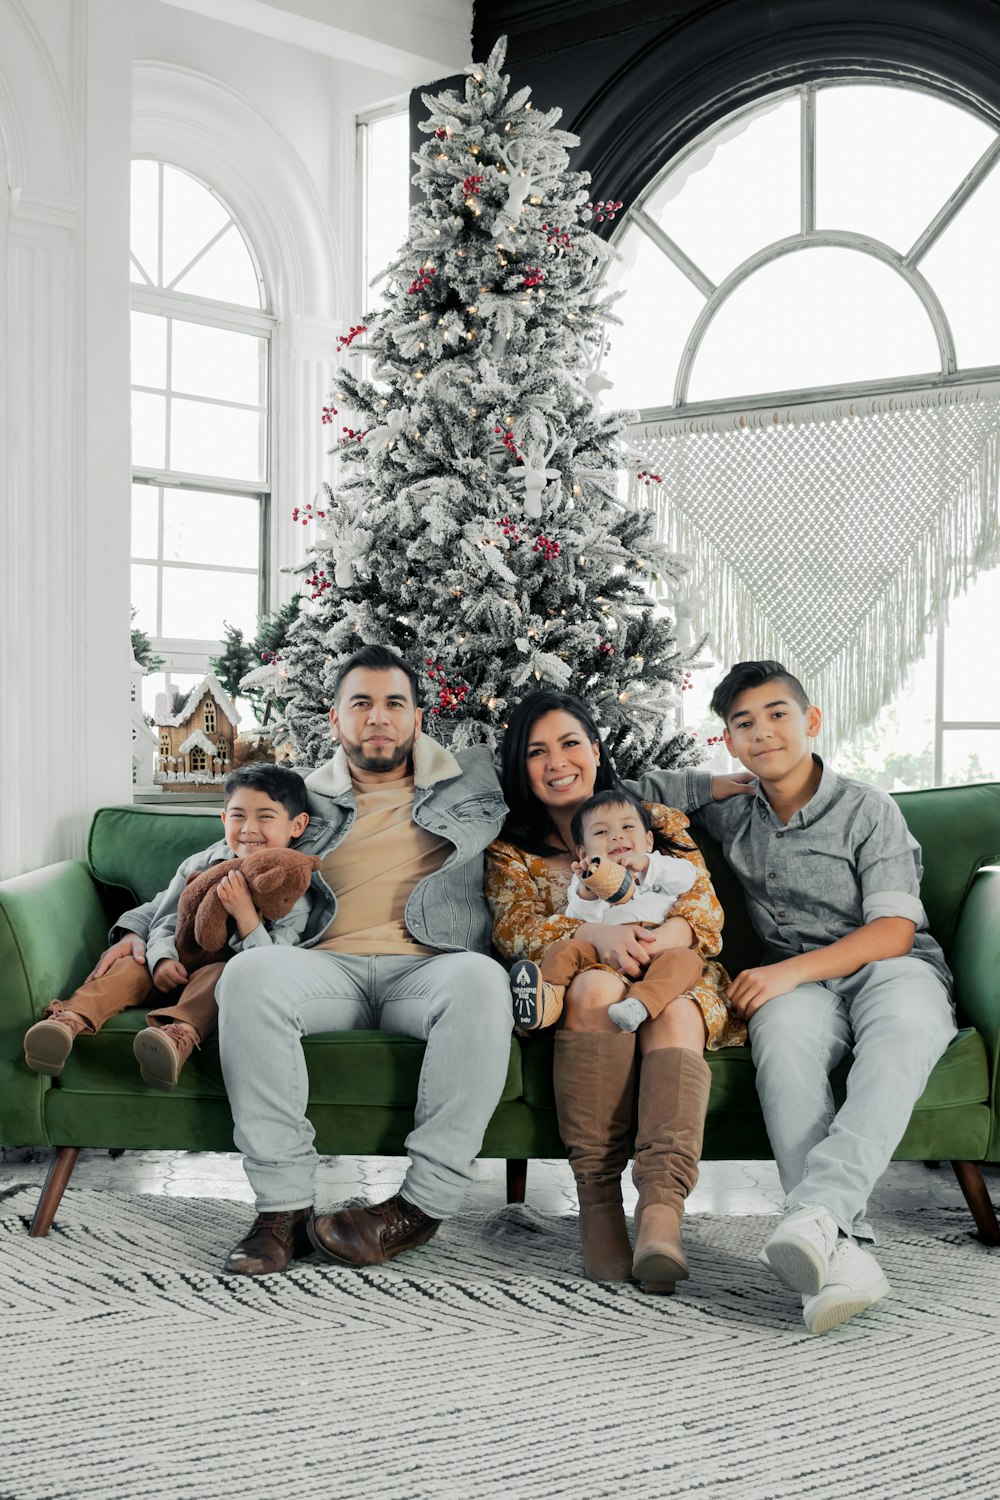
456,797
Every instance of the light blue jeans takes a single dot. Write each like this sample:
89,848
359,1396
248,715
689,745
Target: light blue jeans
897,1016
269,999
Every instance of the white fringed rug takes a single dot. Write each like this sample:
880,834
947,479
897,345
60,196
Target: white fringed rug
481,1366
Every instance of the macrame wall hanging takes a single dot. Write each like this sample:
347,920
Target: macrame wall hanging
833,536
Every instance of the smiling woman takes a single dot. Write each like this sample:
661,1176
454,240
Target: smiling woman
553,760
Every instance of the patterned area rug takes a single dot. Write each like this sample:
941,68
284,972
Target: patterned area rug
483,1365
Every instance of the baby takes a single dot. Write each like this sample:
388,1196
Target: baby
615,836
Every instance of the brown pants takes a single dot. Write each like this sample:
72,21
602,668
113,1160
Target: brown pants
668,976
127,983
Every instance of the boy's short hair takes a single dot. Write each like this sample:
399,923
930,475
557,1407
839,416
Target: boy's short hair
752,674
377,659
280,783
615,797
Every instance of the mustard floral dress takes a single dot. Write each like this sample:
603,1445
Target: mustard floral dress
527,895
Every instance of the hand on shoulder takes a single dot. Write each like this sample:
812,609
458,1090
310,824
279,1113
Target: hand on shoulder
738,784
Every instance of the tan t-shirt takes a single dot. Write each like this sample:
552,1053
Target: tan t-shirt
375,868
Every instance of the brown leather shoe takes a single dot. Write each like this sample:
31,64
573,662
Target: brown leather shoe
372,1235
48,1043
161,1052
272,1242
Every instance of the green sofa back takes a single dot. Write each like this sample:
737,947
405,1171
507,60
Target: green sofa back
134,851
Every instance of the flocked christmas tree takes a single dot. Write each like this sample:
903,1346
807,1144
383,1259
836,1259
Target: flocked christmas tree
475,525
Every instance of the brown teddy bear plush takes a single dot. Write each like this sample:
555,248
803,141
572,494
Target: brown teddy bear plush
276,877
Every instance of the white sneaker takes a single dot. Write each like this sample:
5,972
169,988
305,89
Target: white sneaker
855,1282
800,1249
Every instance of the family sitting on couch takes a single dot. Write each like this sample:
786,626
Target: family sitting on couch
421,864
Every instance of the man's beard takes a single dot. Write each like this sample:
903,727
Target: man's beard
385,759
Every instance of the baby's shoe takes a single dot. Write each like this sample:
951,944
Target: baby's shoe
536,1002
162,1051
48,1043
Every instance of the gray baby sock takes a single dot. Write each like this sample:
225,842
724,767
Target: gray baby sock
628,1014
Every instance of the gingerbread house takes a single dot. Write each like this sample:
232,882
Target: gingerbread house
196,746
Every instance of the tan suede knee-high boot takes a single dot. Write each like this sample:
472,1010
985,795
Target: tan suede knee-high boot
674,1086
594,1080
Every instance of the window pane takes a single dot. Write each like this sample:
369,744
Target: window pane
145,520
387,196
149,350
739,191
657,311
196,603
210,439
973,627
206,528
962,269
144,597
888,158
226,272
816,317
216,362
896,752
191,216
145,215
970,755
149,417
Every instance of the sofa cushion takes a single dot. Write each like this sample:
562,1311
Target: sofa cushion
376,1068
960,1078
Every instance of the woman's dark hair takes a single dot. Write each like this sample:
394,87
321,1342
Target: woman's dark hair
528,823
619,797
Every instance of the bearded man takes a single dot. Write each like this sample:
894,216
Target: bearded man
400,825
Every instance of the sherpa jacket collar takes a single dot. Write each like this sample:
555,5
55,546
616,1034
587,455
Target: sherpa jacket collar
432,763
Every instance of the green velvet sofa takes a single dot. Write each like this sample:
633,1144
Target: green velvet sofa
53,924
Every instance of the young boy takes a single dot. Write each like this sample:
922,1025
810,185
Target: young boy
612,826
264,807
832,882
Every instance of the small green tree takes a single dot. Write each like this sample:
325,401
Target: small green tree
235,661
248,669
142,650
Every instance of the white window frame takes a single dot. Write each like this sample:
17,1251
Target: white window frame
362,138
187,654
905,264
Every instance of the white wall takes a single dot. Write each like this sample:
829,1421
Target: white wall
269,123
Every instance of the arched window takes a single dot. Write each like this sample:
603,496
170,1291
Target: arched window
209,718
832,242
201,419
198,760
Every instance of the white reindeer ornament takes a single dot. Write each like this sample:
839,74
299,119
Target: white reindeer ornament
534,475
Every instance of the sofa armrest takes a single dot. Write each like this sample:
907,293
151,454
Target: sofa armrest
52,928
975,962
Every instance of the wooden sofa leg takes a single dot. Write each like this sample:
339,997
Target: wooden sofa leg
60,1173
973,1185
517,1179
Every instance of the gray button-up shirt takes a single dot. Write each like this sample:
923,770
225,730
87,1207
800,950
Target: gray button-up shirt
844,859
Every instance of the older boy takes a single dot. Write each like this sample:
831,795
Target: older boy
264,807
832,881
